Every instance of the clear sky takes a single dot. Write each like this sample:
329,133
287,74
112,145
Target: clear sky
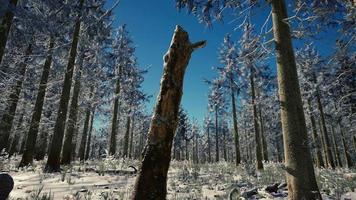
151,24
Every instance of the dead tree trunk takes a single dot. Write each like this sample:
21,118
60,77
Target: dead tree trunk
28,154
53,161
5,27
151,182
299,165
12,101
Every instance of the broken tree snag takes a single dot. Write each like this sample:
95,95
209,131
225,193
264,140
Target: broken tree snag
152,179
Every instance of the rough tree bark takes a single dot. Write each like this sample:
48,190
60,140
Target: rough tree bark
29,150
316,141
53,161
112,141
72,118
5,27
151,182
298,162
258,150
234,119
12,101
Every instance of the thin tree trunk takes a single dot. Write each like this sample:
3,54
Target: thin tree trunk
5,27
126,137
209,147
316,141
53,161
224,143
12,101
15,140
151,182
259,164
112,142
299,166
336,149
88,145
27,157
216,135
81,152
263,137
131,136
234,119
196,149
325,132
72,118
323,144
348,159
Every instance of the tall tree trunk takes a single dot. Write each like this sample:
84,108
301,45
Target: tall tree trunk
5,27
15,140
112,142
259,164
88,145
234,119
72,118
325,132
41,146
323,145
348,159
299,166
216,135
151,182
12,101
27,157
224,143
53,161
81,152
126,137
209,145
336,149
131,136
196,149
316,141
263,137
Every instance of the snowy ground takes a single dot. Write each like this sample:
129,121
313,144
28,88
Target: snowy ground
186,181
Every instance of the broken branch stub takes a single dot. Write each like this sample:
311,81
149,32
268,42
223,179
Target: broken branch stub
151,182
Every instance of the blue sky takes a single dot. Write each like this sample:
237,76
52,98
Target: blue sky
151,24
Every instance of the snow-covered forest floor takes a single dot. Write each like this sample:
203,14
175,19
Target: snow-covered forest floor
113,179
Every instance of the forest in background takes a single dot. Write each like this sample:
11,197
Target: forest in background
63,65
